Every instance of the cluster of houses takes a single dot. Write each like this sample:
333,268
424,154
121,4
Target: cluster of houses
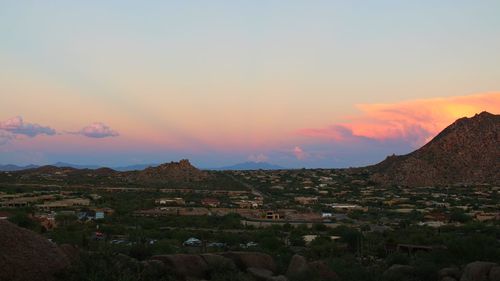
47,205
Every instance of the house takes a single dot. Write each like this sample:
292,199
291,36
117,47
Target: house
271,215
64,203
303,200
210,202
309,238
484,216
170,201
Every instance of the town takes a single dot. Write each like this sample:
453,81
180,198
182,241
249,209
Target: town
317,213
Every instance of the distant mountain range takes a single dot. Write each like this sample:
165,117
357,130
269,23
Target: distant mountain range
181,172
139,167
12,168
466,152
251,166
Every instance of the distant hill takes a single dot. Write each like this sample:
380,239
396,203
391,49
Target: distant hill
251,166
181,171
11,168
69,165
168,175
466,152
137,167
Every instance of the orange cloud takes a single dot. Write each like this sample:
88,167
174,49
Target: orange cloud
415,121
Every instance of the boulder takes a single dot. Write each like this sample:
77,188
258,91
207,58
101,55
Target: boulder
245,260
477,271
124,261
153,270
260,274
218,262
323,270
278,278
185,266
453,272
26,255
298,265
399,272
494,274
71,252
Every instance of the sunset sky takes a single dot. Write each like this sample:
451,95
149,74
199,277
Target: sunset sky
293,83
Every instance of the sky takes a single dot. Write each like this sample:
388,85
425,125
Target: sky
294,83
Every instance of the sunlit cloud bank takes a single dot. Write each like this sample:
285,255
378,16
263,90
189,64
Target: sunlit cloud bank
414,122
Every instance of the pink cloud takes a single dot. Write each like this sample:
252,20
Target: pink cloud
415,121
17,126
299,153
98,130
5,137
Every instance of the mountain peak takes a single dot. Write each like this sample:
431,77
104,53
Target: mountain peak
175,171
465,152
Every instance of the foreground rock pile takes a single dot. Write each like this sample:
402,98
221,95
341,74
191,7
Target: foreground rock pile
258,266
25,255
474,271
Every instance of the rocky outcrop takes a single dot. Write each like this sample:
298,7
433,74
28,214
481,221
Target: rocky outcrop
25,255
202,267
477,271
466,152
260,274
299,267
216,262
245,260
399,272
71,252
185,266
181,171
494,274
323,270
449,273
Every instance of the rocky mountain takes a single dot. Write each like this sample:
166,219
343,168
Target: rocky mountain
181,171
466,152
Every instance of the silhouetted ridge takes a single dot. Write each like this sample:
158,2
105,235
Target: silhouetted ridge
466,152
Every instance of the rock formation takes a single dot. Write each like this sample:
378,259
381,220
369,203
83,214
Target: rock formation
25,255
466,152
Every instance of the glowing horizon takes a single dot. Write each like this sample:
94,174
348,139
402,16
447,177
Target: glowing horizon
324,84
